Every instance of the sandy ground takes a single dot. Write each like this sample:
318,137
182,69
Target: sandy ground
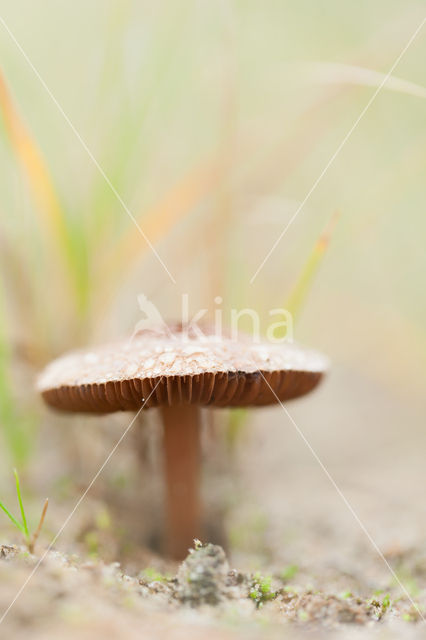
290,538
68,597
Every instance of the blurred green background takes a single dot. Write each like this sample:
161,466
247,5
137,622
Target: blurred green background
212,120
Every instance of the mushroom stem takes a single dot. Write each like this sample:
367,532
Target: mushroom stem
182,461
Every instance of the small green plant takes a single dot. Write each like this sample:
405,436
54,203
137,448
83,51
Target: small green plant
152,575
381,606
261,590
30,539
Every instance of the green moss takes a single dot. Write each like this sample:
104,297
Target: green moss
261,590
289,572
152,575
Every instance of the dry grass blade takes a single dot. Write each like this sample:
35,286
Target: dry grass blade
159,220
336,73
176,204
303,284
34,537
34,167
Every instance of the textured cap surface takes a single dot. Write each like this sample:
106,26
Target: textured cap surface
154,370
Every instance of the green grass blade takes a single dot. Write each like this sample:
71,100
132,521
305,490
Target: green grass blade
237,421
17,524
13,424
304,283
21,506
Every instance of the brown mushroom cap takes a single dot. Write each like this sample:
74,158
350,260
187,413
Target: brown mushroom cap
180,369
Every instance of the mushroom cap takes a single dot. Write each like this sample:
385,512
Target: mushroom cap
152,370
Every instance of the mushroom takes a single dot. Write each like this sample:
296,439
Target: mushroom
180,372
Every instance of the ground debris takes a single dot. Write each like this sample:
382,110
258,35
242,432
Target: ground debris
204,594
8,551
327,609
204,577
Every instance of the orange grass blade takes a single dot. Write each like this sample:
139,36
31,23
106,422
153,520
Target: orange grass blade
304,283
34,167
32,543
162,217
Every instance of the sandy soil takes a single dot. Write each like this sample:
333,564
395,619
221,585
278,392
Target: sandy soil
70,597
285,527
